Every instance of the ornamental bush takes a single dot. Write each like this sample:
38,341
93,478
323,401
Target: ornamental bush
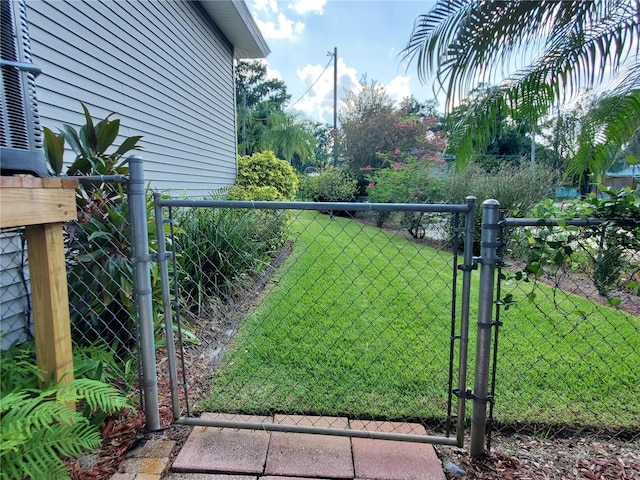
409,181
331,184
518,187
264,194
264,169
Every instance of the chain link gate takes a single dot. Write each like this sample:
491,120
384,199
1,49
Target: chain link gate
337,310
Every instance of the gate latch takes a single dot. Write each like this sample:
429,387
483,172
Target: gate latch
468,394
468,268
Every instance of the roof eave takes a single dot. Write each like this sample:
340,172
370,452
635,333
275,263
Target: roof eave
236,23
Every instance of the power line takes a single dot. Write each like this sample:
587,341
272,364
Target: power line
312,85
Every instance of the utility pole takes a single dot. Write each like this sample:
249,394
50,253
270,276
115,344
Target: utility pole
533,143
533,146
335,106
244,122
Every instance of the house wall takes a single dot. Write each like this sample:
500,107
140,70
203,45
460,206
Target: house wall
166,71
163,67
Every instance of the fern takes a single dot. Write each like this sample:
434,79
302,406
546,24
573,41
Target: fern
38,428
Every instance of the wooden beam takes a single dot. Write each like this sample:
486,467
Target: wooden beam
32,201
50,300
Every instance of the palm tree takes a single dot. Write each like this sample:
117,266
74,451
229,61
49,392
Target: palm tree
288,138
553,51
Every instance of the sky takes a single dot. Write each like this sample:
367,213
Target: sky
369,36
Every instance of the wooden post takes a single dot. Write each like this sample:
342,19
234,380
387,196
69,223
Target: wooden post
50,300
42,205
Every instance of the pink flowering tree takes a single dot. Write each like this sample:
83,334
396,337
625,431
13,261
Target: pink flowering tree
378,133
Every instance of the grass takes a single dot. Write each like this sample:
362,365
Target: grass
358,323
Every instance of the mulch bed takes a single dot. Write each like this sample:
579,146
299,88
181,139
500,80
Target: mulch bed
525,457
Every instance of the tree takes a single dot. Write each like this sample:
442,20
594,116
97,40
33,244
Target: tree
373,129
258,121
257,99
581,45
287,138
324,135
511,136
253,86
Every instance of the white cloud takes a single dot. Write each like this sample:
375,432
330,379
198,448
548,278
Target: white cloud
271,73
308,6
266,5
284,28
398,88
318,102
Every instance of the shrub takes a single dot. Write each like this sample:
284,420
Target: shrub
608,251
265,194
410,181
517,187
40,427
265,170
331,184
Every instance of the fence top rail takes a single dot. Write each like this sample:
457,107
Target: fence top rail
574,222
320,206
99,178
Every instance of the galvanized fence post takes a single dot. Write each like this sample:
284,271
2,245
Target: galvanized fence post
467,268
142,290
488,259
163,267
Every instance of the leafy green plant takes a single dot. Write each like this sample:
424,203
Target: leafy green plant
220,249
99,361
100,273
17,368
330,184
39,428
90,144
607,246
265,170
409,181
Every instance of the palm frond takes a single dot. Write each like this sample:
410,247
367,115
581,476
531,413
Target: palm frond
609,126
540,52
463,44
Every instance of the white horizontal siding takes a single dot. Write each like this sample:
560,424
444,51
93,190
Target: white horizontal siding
13,294
162,66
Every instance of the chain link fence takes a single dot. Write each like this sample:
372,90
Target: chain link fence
568,345
99,279
328,313
15,302
354,313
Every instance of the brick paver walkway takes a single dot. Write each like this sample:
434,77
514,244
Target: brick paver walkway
227,454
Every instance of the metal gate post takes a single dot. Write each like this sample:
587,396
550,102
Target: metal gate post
464,324
163,267
142,290
488,258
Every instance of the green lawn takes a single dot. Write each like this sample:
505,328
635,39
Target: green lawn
358,323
